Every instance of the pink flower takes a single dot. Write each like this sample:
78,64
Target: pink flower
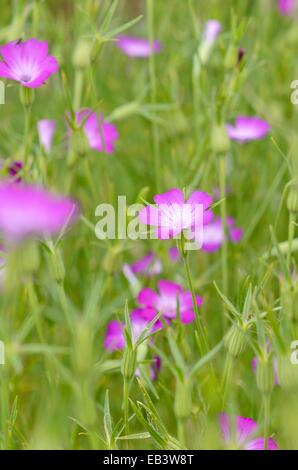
169,298
114,338
149,265
287,7
137,47
242,434
173,254
32,211
248,128
213,234
172,215
46,129
27,62
100,134
211,31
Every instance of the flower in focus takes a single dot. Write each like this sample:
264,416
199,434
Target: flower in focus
172,215
169,300
100,134
32,211
27,62
139,318
286,7
213,235
242,434
137,47
248,128
46,129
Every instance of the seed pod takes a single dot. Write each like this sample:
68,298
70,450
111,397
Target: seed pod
183,401
220,142
235,340
129,363
265,375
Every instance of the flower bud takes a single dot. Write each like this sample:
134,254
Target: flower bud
129,363
292,201
82,54
220,142
183,401
265,375
235,340
57,267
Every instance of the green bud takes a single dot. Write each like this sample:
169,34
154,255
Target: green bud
26,96
57,266
289,298
292,201
287,373
82,54
183,401
220,142
265,374
129,363
235,339
231,58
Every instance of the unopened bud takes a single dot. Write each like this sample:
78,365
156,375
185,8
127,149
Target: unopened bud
235,340
82,54
129,363
57,267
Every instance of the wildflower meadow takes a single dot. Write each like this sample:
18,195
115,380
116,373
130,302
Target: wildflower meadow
148,225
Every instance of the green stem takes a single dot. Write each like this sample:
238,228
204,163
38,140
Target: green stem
228,369
27,118
181,432
223,206
291,233
4,406
126,405
155,133
266,400
78,88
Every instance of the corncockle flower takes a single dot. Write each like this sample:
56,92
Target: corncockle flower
213,234
149,265
170,300
172,215
211,30
140,317
100,134
248,128
27,62
14,171
287,7
32,211
137,47
241,434
46,129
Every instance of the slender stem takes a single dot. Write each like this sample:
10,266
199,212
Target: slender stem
78,88
155,133
291,233
4,406
126,405
203,340
181,431
266,418
27,119
224,249
228,369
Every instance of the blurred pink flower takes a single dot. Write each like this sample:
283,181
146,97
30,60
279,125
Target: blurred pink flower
149,265
27,62
32,211
137,47
172,215
287,7
173,254
211,30
140,317
169,298
213,234
14,171
248,128
46,129
244,434
100,134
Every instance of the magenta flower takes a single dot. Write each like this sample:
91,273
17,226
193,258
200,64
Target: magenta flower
169,298
27,62
114,338
242,434
32,211
211,31
137,47
248,128
46,129
100,134
172,215
287,7
173,254
148,266
14,171
213,234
